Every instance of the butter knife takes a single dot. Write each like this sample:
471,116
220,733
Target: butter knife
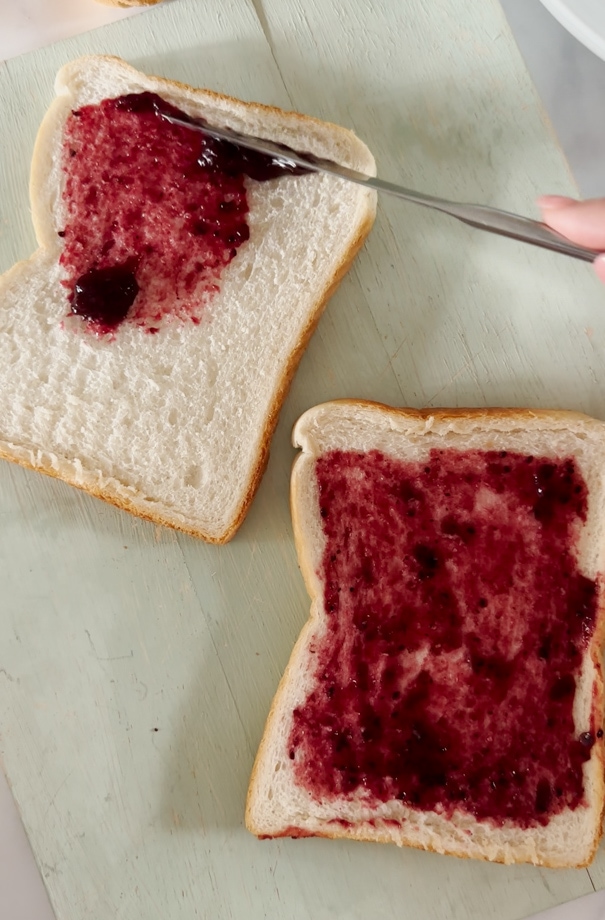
475,215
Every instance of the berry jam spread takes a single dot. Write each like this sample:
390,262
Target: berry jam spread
154,212
456,623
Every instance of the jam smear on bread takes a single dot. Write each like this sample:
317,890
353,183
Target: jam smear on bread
457,620
165,201
105,295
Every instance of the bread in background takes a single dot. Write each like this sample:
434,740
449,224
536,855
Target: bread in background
126,3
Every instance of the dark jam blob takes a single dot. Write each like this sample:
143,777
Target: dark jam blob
144,104
142,191
454,637
427,559
105,295
543,797
217,156
563,688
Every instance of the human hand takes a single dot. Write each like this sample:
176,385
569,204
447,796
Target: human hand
583,222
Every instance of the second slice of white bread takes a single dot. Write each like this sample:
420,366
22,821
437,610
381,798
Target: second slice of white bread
176,426
279,806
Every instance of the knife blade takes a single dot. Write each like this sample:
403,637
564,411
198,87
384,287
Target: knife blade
482,217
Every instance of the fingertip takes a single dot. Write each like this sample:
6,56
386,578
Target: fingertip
599,267
552,202
580,221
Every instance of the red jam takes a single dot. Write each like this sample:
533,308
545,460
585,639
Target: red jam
456,622
154,212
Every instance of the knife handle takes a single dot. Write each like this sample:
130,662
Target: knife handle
494,221
523,229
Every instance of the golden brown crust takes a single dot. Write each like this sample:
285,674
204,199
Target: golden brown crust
443,414
374,837
113,498
598,703
125,3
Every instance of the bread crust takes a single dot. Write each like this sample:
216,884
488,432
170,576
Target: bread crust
512,419
126,3
47,241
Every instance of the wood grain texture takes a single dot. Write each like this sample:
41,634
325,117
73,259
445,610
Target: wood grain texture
136,666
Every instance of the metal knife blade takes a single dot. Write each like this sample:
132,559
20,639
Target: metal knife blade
482,217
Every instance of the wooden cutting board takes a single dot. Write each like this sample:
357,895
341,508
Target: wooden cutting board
137,666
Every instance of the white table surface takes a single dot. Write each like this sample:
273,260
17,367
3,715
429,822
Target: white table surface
571,82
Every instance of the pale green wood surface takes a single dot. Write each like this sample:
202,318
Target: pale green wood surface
137,666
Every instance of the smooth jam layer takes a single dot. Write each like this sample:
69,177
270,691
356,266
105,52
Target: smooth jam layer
456,623
154,212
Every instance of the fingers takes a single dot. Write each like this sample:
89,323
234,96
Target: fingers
580,221
599,267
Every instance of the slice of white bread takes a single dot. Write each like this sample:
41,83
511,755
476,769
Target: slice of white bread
282,802
175,427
